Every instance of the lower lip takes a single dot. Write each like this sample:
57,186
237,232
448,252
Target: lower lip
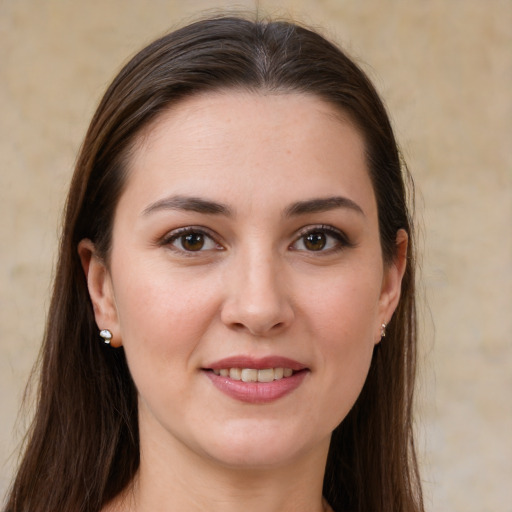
257,392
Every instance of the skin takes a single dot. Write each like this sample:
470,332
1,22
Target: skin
255,288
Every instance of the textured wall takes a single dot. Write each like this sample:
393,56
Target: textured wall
445,70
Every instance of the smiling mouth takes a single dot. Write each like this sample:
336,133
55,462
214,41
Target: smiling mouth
256,381
255,375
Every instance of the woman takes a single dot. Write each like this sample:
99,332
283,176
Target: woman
233,318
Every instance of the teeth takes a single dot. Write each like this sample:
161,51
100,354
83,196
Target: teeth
266,375
253,375
249,375
235,374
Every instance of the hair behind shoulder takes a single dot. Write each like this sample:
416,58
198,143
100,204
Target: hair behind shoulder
82,448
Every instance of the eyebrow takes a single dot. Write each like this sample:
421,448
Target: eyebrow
322,205
205,206
190,204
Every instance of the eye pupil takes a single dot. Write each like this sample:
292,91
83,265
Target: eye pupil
192,241
315,241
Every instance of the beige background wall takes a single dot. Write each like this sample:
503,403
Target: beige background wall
445,70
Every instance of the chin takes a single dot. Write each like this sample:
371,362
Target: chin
260,446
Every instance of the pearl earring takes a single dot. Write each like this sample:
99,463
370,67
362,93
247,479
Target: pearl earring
106,335
383,330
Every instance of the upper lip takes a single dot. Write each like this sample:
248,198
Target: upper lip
256,363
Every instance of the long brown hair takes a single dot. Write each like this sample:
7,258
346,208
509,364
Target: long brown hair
83,447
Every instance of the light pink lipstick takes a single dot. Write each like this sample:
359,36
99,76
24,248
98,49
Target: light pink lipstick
256,392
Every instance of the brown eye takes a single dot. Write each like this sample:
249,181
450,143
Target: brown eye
192,241
315,241
321,239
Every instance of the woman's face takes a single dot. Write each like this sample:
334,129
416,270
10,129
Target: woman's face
245,248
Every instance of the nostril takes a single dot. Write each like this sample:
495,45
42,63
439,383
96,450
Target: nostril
259,318
257,330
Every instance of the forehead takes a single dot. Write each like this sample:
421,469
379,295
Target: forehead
223,112
230,142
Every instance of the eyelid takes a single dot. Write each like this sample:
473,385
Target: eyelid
342,240
341,237
173,235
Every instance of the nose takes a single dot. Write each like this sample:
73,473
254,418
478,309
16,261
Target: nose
258,298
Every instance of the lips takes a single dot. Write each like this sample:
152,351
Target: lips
256,380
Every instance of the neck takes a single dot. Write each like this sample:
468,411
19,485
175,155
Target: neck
171,478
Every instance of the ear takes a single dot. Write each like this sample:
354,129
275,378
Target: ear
99,283
392,281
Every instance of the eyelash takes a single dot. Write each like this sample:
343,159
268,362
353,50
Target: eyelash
341,241
190,230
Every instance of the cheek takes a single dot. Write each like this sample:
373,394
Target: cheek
341,321
346,358
162,317
344,307
163,321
